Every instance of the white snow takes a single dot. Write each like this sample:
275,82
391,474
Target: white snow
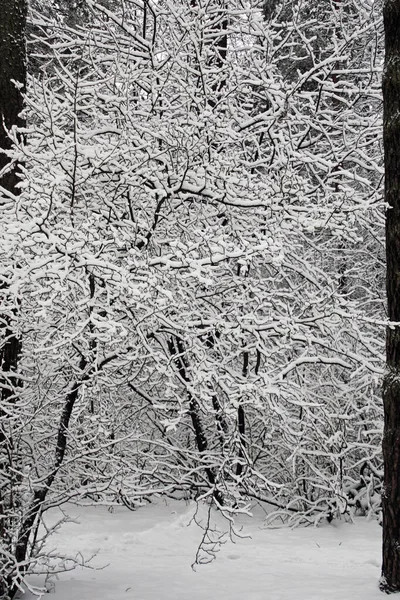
149,553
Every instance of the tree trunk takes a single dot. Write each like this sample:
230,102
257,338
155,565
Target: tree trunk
390,581
177,352
241,420
12,80
12,86
39,497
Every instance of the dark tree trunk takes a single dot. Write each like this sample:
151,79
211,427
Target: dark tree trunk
177,351
28,525
220,417
241,420
391,385
12,86
12,80
32,516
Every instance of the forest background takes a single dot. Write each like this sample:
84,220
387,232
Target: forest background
191,261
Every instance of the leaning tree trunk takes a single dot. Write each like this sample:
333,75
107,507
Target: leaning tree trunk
177,351
12,85
391,385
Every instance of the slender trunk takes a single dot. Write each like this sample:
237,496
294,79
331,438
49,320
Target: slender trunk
220,418
390,581
222,426
28,524
177,351
241,420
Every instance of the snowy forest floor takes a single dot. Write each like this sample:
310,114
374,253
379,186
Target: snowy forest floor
147,555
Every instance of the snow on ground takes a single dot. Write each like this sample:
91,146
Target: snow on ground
149,553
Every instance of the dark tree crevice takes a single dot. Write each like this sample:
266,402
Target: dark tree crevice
390,581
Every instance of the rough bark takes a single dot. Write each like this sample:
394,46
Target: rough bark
390,581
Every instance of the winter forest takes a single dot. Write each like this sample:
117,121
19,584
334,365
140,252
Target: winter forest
192,267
